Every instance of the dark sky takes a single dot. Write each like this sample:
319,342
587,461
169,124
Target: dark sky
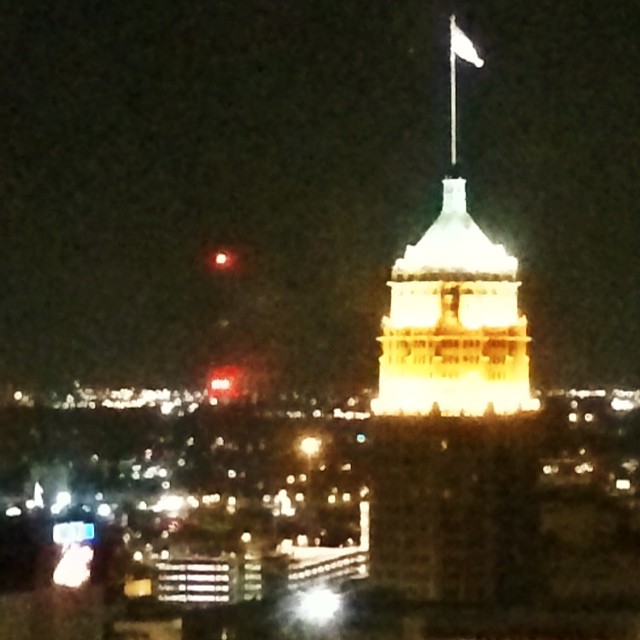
310,137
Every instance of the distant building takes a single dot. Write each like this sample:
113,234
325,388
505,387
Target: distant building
230,579
209,580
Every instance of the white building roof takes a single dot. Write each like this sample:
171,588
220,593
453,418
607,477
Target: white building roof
455,243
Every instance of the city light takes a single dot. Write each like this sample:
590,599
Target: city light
62,501
225,382
165,400
74,567
319,606
38,495
584,467
170,504
283,505
66,533
623,404
310,446
104,510
623,484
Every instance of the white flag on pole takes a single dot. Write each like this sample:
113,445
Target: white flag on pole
462,46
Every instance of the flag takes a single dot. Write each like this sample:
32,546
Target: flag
462,46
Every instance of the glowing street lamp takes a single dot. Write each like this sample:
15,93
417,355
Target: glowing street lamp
319,606
310,446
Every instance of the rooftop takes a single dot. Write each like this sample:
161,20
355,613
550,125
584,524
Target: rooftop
455,243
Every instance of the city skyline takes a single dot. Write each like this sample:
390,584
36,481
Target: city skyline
310,142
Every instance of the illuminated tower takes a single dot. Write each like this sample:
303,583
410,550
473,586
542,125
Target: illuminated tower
455,340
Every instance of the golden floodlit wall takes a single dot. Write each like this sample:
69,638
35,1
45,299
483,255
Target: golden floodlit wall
455,341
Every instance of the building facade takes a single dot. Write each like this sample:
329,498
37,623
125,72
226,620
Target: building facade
455,341
453,514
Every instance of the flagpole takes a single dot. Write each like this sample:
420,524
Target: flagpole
452,62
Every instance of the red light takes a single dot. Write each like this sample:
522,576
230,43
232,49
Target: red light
222,260
220,384
225,382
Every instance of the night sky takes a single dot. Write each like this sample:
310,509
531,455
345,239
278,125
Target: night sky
309,138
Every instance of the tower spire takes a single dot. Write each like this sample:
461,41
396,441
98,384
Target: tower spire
452,73
459,46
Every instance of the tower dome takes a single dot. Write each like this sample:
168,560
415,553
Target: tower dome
455,244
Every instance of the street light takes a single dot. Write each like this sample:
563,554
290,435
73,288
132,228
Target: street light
319,606
310,446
